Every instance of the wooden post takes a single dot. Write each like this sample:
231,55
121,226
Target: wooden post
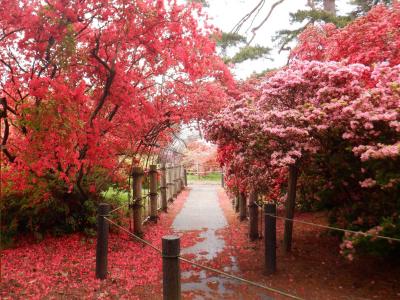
167,176
175,181
170,184
253,216
153,192
137,178
171,269
182,177
102,241
185,176
270,238
178,178
242,207
290,204
163,188
237,202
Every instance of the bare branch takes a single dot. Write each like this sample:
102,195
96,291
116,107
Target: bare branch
3,115
254,30
5,35
243,20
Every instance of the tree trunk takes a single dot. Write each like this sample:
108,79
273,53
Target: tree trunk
253,215
329,6
237,203
290,204
242,207
137,176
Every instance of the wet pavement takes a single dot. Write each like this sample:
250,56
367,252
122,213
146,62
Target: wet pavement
201,211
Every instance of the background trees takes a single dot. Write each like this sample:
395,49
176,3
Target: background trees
200,157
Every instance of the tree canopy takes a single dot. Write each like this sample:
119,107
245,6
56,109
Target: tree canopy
334,113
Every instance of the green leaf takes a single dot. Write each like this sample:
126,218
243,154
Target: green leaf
250,52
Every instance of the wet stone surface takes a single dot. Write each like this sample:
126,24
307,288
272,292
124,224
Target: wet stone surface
202,211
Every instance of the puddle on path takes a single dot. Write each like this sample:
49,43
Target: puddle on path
202,211
209,246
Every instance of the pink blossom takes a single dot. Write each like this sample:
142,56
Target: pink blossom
367,183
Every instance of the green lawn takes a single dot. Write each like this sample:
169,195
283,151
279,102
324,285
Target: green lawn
121,196
209,177
112,193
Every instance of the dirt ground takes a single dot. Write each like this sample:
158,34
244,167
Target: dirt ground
314,269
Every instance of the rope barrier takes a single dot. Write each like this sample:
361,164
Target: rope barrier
134,235
231,276
335,228
118,208
256,203
205,267
203,173
147,219
240,279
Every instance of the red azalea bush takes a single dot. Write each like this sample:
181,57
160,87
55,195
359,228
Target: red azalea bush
86,85
367,40
64,267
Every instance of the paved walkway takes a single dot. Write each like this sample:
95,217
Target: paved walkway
201,211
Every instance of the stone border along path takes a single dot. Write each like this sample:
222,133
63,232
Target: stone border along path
201,211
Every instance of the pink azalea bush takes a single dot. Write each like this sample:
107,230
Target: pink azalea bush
338,122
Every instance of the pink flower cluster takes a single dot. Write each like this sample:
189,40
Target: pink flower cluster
302,105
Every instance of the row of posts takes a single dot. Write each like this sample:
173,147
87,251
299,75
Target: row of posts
169,254
171,251
241,207
171,244
173,179
171,183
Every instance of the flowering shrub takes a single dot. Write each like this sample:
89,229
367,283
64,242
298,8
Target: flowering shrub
334,112
370,39
86,83
339,123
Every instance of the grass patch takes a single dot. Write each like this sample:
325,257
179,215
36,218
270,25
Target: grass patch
209,177
114,194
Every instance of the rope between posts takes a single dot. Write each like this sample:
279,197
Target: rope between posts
205,267
146,195
335,228
134,235
240,279
119,207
